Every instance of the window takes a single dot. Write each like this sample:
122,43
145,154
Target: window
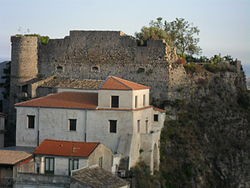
73,165
155,117
95,69
146,126
72,124
100,161
144,100
138,125
113,124
114,101
49,165
136,101
25,88
31,121
59,68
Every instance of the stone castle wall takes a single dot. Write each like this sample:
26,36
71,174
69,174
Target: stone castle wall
97,54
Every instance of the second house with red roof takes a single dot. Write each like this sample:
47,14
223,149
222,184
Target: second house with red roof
117,115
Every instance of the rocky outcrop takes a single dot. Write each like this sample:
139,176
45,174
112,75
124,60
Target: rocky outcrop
208,143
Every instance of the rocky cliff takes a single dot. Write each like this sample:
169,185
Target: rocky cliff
206,142
207,145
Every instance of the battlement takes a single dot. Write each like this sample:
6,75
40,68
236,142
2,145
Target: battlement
95,33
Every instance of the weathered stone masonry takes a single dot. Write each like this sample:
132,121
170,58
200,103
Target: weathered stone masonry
93,55
89,55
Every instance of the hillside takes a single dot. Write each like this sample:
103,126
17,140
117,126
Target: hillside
207,145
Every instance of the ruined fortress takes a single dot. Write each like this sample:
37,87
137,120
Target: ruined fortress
96,55
91,55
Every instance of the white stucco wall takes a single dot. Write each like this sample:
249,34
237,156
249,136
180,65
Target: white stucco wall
98,129
53,124
125,98
61,166
94,125
139,94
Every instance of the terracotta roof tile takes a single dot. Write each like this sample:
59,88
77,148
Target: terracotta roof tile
95,176
77,100
66,148
113,83
13,157
158,109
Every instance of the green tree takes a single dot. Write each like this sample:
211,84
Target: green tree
179,33
154,31
183,33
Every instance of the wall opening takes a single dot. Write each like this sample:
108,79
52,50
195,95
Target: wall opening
142,42
95,69
140,70
59,68
155,159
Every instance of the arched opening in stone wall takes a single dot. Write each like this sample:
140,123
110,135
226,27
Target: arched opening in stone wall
59,68
155,158
95,69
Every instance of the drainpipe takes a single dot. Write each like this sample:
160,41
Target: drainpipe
38,120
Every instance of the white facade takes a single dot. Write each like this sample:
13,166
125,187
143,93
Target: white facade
136,134
61,163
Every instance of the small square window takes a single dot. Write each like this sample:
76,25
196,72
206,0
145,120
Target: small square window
156,117
113,126
31,121
114,101
72,124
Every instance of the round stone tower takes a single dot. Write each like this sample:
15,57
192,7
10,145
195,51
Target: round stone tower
24,62
24,58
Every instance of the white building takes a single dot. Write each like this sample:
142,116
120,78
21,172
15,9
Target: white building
117,115
61,157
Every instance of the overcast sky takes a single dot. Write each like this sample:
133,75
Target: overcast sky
224,24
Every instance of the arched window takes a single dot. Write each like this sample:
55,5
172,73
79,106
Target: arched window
59,68
95,69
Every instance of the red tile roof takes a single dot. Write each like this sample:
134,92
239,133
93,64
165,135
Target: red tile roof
136,109
158,109
66,148
113,83
65,100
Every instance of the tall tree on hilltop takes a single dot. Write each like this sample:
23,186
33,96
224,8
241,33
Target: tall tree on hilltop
182,34
179,33
154,31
